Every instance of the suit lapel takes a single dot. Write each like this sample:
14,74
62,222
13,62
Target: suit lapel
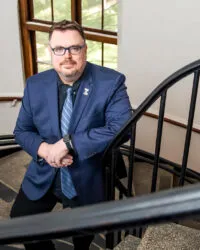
52,97
83,95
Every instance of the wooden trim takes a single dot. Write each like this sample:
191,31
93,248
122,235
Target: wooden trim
107,32
34,51
52,11
101,38
102,54
34,26
79,11
35,20
76,10
31,10
10,98
26,40
173,122
102,14
73,10
89,35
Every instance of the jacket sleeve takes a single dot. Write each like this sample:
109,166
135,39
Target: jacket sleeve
26,134
118,111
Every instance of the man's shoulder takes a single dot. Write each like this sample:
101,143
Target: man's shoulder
104,72
45,75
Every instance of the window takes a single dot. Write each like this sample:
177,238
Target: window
98,18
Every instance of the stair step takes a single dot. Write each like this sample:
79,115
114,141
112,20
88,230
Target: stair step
13,168
8,150
6,192
5,209
129,243
142,178
61,244
190,223
170,236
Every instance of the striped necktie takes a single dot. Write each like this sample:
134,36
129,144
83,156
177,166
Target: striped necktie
67,185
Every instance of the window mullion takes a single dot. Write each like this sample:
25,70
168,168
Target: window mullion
52,11
34,51
102,14
76,10
25,36
31,10
102,54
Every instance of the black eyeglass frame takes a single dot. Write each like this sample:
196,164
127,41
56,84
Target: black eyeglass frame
69,49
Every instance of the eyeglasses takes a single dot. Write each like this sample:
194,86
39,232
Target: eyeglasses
74,50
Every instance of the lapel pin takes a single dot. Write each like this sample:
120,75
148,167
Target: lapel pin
86,91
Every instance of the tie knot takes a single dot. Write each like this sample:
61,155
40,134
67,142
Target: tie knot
69,90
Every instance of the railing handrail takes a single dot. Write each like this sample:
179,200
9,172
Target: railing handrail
153,208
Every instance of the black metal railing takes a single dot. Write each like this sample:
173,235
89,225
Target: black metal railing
164,206
157,162
128,213
172,167
160,91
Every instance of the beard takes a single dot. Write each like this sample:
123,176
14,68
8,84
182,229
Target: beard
69,72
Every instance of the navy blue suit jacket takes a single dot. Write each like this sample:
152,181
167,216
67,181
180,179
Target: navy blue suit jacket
101,108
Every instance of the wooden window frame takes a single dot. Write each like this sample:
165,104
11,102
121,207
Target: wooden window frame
29,25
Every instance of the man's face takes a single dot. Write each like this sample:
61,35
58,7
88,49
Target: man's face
69,66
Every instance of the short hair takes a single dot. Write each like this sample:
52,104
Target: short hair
66,25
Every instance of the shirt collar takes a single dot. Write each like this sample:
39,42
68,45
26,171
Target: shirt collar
75,85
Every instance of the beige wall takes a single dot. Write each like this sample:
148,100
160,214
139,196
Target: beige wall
172,145
12,81
155,39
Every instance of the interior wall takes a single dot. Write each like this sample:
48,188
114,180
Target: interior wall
12,78
156,39
172,145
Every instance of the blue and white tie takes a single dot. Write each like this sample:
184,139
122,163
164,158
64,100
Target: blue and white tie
67,185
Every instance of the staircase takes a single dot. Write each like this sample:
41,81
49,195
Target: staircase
13,168
166,236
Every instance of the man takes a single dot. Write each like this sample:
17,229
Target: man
66,134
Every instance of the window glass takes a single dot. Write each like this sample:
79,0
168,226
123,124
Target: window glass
110,55
42,10
42,67
43,56
91,13
110,15
62,10
94,52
